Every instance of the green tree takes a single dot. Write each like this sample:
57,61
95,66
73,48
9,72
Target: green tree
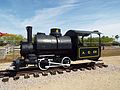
106,39
117,37
12,39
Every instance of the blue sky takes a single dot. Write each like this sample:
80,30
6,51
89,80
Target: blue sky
102,15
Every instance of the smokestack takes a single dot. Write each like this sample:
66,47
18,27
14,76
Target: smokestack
29,34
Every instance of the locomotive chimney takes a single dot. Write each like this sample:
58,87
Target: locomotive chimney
29,34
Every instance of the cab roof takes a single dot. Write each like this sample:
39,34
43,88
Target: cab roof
81,33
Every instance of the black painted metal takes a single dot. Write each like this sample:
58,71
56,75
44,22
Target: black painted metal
29,34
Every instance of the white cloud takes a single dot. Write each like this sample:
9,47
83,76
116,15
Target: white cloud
68,1
108,27
48,18
9,23
112,29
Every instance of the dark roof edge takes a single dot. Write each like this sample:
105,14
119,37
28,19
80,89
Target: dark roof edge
81,33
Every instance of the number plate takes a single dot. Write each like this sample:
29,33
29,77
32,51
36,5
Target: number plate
86,52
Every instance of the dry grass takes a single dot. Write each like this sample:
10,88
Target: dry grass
10,57
110,52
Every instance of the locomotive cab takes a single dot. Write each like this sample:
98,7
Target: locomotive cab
85,44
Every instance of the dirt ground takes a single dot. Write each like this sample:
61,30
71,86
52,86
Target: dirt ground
106,79
99,79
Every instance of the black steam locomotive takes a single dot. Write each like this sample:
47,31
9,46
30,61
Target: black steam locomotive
55,50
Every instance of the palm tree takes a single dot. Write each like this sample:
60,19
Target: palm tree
116,37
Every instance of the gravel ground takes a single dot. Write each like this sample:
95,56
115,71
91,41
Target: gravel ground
99,79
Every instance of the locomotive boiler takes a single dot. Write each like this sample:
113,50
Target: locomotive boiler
56,50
